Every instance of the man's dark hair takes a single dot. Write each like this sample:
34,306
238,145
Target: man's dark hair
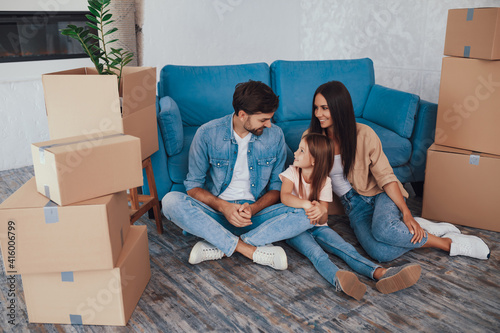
254,97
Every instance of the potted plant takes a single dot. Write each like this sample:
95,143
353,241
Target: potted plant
106,59
91,99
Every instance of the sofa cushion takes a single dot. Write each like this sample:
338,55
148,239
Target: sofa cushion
396,148
170,122
392,109
296,81
204,93
292,130
178,164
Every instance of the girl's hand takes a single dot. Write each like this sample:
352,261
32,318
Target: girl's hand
315,212
415,228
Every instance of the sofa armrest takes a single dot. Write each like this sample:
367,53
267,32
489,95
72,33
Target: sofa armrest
422,138
160,167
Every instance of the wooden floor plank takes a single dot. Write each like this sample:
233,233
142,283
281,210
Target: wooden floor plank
235,295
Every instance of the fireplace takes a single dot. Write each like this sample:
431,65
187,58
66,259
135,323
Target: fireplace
29,36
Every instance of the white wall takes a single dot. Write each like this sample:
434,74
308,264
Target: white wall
404,39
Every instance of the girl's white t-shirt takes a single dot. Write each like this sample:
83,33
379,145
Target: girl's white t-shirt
292,173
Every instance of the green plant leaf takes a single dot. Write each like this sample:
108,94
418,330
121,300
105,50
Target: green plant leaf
93,26
91,18
106,17
84,33
94,36
94,11
112,41
108,22
72,26
110,31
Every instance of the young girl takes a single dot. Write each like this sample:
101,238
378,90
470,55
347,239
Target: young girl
306,185
372,196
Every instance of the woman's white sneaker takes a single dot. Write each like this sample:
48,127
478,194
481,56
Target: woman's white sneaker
468,245
437,228
203,251
273,256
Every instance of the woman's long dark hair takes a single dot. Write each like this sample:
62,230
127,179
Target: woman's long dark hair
344,123
322,150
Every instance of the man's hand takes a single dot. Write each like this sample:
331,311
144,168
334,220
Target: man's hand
415,228
315,212
232,213
245,210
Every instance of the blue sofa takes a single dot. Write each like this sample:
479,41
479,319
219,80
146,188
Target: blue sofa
189,96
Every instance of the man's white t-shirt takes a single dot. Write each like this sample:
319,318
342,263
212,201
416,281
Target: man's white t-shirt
239,187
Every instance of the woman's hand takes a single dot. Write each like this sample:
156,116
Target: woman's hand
315,212
415,228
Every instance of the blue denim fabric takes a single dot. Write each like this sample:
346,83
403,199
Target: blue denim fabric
213,153
377,223
314,242
272,224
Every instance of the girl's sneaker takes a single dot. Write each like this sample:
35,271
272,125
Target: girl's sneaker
468,245
349,283
397,278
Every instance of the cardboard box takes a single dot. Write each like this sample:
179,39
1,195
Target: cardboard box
469,105
38,236
473,33
462,187
80,168
82,102
101,297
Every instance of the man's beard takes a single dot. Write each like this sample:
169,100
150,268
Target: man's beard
254,131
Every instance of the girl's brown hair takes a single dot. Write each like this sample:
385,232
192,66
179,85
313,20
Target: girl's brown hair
322,150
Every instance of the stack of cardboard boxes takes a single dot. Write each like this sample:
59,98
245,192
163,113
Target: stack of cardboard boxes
67,230
462,185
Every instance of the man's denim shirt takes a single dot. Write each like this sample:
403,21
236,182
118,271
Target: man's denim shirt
213,153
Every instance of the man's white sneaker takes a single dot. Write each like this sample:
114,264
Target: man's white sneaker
437,228
468,245
273,256
204,251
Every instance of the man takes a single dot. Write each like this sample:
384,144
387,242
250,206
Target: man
233,184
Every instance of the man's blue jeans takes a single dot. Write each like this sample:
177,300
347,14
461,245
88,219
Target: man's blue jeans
378,225
272,224
312,242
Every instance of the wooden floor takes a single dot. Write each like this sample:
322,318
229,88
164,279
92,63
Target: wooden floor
454,294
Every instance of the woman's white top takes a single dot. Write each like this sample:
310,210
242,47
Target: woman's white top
340,184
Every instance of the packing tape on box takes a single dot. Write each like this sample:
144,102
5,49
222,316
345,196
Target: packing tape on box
43,148
474,159
467,51
41,153
46,189
75,319
51,213
67,277
470,14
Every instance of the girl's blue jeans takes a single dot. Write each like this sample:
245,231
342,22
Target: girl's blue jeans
314,242
378,225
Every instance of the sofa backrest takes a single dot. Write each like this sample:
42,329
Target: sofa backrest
203,93
296,81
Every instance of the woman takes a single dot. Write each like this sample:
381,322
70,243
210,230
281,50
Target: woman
372,196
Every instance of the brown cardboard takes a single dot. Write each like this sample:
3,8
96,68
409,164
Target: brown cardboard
98,297
462,189
469,105
473,33
45,238
81,102
79,168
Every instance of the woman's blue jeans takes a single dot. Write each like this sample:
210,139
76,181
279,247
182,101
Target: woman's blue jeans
378,225
272,224
312,242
